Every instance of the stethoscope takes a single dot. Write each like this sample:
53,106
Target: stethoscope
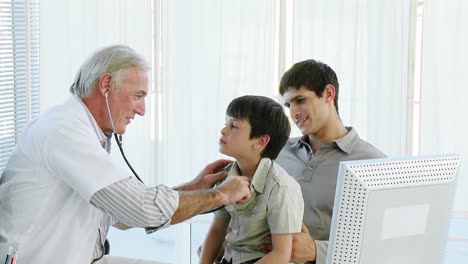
118,138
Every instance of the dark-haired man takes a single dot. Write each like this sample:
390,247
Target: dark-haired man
310,91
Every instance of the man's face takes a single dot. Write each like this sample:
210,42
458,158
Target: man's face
234,140
129,98
308,111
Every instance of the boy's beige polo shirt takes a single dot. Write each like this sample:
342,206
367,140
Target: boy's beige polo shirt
276,207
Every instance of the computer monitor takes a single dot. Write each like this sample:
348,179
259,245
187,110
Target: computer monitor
393,211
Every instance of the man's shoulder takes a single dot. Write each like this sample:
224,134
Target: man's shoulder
68,117
357,148
365,150
70,107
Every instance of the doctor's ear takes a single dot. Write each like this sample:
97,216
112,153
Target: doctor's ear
104,83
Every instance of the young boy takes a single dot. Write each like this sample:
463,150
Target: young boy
255,132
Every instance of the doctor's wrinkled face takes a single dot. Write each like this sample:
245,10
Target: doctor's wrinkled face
128,99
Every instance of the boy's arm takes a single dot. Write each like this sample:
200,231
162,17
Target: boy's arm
281,252
214,239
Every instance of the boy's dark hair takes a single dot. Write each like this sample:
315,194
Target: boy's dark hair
266,117
312,74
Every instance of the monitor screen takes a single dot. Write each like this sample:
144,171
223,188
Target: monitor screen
391,210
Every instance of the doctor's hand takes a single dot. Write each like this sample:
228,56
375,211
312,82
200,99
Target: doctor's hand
207,177
303,247
211,174
235,190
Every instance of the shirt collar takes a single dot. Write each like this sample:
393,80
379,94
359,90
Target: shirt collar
260,175
103,138
345,143
348,141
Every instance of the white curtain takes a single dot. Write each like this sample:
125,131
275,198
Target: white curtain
212,52
444,85
367,43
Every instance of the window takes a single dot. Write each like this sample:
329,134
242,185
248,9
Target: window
19,70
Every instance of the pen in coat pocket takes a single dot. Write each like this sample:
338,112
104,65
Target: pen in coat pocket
8,256
14,258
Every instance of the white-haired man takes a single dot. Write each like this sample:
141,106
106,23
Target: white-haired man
61,191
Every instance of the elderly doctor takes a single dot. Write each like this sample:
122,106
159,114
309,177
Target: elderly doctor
61,190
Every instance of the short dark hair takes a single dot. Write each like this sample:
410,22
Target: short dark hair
266,117
312,74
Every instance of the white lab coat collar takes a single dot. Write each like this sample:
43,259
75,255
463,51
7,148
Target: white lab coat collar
103,138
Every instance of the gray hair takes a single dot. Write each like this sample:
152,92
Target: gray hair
115,60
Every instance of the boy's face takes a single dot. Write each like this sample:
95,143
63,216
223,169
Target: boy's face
234,140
